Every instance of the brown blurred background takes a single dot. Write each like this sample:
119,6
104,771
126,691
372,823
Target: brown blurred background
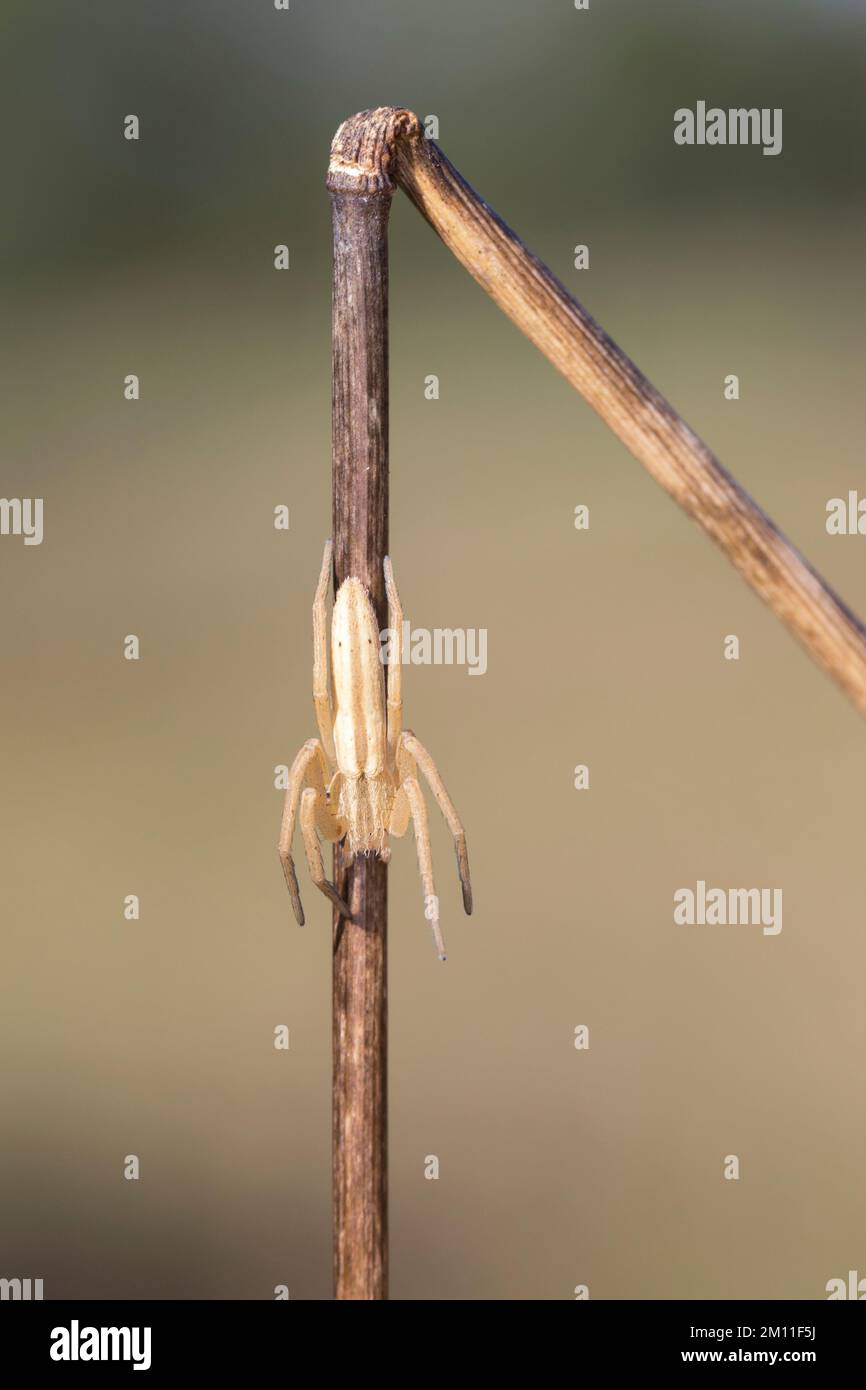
155,1037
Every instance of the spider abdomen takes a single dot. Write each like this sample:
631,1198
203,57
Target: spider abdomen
359,684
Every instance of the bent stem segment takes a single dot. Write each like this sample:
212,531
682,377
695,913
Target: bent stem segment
386,147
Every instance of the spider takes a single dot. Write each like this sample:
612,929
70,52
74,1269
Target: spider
358,783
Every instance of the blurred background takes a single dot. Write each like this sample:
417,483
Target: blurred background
557,1167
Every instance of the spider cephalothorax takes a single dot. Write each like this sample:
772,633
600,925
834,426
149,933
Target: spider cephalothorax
359,781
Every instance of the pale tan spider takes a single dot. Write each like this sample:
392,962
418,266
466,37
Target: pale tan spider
360,781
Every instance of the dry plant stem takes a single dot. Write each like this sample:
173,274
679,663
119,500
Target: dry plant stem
360,531
386,147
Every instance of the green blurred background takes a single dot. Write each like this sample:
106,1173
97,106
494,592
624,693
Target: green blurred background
558,1167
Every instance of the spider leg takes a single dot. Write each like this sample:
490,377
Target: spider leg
309,767
321,689
316,816
418,810
395,664
410,746
297,780
400,811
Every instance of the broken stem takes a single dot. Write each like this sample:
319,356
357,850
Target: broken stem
386,147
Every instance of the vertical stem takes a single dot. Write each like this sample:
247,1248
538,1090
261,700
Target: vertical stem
360,480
